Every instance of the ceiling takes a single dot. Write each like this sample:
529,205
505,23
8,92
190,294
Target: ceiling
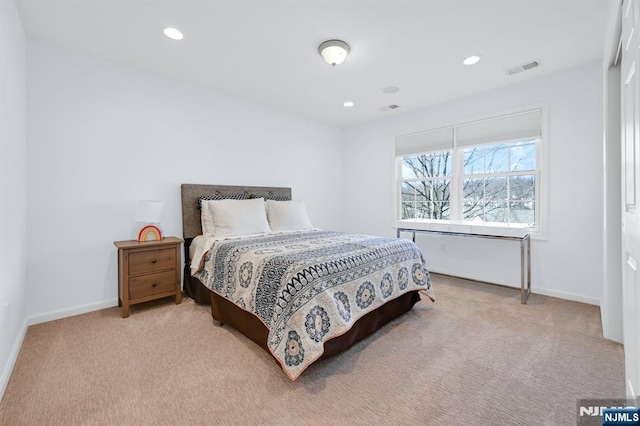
266,51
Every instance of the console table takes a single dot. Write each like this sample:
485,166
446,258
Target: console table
525,253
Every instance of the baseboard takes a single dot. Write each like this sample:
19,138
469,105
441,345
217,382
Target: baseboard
470,278
566,296
544,291
631,395
13,357
64,313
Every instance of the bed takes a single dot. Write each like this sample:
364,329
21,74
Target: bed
301,294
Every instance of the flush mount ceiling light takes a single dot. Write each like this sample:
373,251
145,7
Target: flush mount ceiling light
474,59
334,51
348,104
173,33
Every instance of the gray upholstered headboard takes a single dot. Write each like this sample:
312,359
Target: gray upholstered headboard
191,224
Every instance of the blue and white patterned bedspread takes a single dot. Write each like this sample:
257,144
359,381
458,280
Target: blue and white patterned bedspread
310,286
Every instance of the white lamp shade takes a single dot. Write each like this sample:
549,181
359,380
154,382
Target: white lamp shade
334,51
149,211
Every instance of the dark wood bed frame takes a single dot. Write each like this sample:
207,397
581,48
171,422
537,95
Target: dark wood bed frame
226,312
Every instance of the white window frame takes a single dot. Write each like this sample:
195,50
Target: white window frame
456,223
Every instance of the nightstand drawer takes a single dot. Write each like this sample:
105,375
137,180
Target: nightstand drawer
148,285
152,260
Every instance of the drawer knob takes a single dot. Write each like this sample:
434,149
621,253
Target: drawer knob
154,284
154,260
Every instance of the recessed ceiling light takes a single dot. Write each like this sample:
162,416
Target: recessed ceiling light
390,89
173,33
348,104
474,59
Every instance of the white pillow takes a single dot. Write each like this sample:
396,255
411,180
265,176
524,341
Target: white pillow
287,216
228,218
206,218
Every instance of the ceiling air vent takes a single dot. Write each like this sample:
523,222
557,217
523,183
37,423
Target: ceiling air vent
523,67
390,107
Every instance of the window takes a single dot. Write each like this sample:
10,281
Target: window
426,183
485,172
498,183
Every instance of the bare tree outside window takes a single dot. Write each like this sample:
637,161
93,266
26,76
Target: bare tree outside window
498,184
426,186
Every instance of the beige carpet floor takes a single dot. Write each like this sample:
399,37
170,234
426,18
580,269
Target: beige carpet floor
476,356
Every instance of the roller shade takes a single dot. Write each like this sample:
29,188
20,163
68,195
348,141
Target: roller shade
432,140
500,129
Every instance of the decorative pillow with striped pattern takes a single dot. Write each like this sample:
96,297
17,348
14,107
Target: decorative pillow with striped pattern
272,197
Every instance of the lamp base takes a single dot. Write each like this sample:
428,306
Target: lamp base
149,233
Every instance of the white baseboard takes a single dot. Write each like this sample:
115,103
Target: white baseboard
13,356
63,313
544,291
565,295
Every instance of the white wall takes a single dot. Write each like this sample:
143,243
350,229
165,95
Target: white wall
103,136
569,262
13,188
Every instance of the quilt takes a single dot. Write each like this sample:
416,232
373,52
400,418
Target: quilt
310,286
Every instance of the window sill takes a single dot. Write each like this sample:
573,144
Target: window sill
466,228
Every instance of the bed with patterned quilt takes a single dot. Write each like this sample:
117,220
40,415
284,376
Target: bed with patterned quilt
301,293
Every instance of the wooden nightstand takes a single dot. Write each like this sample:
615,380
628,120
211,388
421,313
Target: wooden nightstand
148,270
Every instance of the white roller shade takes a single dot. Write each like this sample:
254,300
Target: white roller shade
432,140
504,128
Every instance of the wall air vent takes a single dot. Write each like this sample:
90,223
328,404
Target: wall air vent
523,67
390,107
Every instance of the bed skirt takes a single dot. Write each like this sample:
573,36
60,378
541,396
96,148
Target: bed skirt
248,324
